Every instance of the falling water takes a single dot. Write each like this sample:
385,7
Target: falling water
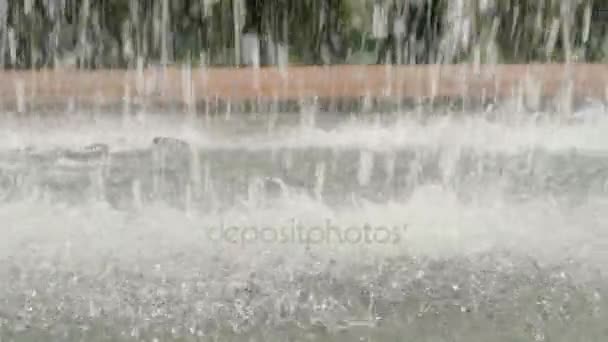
494,217
428,224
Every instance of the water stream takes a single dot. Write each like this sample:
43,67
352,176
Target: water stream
146,225
452,228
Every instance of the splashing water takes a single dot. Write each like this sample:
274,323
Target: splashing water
485,226
464,228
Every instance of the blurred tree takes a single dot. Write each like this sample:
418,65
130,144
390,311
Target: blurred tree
414,31
122,33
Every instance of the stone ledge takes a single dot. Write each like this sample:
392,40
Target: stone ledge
341,88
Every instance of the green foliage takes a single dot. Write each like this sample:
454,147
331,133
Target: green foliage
118,33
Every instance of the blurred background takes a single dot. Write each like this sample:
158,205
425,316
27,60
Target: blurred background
123,33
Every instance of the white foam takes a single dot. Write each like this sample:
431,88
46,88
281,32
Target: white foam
435,224
585,131
438,223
